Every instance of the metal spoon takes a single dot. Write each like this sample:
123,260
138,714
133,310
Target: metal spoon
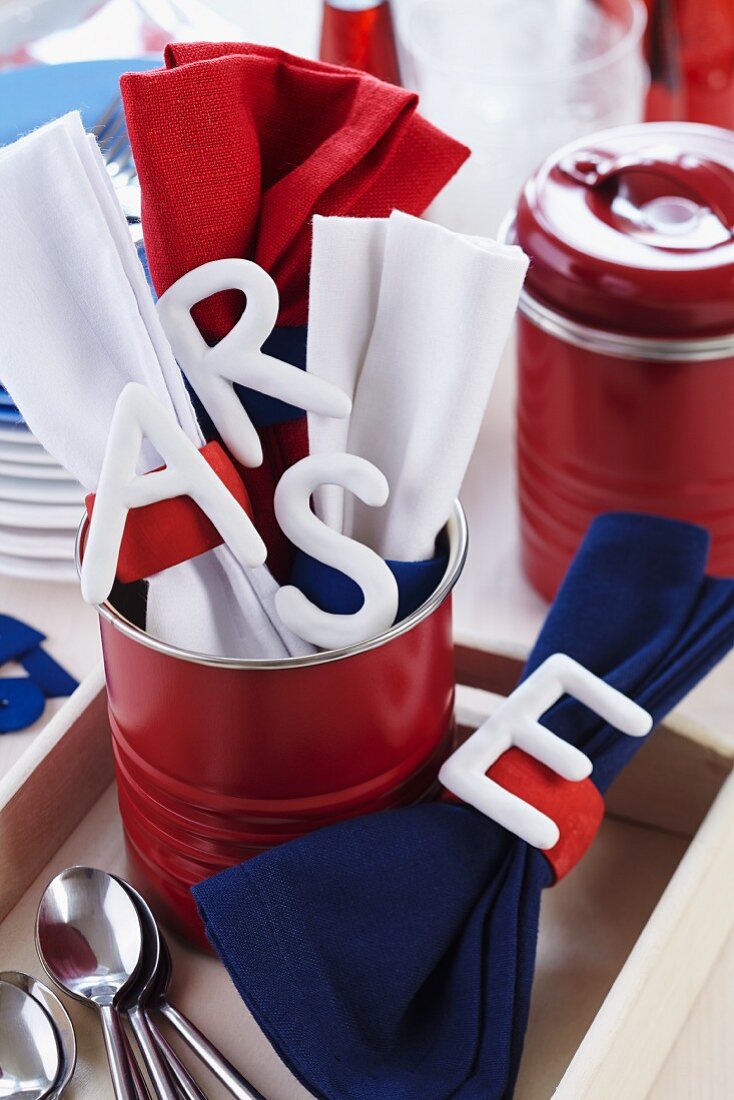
232,1080
185,1083
141,1089
29,1053
136,995
90,943
59,1018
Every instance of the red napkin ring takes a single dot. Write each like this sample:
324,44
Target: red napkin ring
576,807
158,536
526,778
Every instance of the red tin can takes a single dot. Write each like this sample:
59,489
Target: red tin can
219,759
626,339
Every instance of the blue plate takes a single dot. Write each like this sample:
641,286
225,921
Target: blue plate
31,96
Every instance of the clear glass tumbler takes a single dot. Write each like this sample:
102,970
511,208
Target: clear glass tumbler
514,80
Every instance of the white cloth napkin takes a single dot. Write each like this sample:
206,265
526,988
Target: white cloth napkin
410,319
78,323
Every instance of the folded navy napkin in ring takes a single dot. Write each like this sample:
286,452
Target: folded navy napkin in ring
391,957
338,594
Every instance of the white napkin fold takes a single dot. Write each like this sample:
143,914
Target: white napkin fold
410,319
78,323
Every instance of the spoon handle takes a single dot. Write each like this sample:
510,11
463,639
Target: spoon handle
154,1063
141,1089
233,1081
114,1041
185,1083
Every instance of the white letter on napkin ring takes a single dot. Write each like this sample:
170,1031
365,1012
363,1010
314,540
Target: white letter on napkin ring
237,357
138,415
365,567
516,723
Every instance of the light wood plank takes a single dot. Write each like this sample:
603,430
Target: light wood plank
627,1045
700,1066
589,922
72,634
52,786
578,960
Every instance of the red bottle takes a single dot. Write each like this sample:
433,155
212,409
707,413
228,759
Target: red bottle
690,50
360,35
707,45
666,98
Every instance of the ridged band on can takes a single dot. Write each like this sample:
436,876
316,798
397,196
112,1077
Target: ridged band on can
218,759
619,345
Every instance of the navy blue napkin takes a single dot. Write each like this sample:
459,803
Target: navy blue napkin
286,343
337,593
391,957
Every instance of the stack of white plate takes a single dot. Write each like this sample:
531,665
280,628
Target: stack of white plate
40,505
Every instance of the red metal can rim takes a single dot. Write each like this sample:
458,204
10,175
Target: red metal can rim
457,531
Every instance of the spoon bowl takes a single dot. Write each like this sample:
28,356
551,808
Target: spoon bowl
88,935
90,942
59,1018
30,1058
145,979
145,990
136,996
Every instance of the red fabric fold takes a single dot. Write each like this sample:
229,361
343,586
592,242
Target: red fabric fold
238,146
158,536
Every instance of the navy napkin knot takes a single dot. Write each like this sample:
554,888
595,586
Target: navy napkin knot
391,957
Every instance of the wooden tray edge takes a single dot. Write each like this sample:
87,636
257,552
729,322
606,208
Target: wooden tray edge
627,1044
42,798
41,801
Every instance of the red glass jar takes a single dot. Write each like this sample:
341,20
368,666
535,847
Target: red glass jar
626,339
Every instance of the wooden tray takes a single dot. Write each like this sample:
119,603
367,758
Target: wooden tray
626,941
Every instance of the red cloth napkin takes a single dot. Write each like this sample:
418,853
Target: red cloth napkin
237,147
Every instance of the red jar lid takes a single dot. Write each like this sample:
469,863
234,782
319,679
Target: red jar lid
631,230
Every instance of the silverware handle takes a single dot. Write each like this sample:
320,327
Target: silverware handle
233,1081
139,1084
154,1063
185,1083
114,1041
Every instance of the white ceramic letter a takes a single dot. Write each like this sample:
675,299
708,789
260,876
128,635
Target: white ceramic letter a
139,415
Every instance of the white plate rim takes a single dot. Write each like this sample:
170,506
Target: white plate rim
53,517
37,491
38,569
35,471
